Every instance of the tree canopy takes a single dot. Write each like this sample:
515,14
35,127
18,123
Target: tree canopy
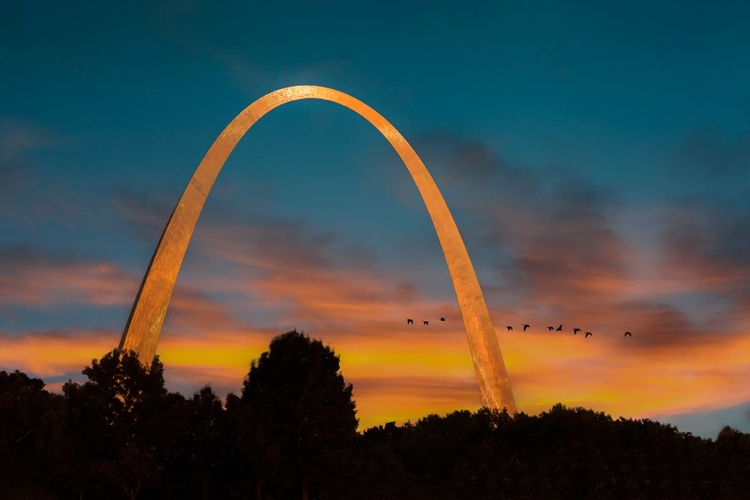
292,433
300,417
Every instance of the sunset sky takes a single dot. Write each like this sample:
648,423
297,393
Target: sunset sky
596,160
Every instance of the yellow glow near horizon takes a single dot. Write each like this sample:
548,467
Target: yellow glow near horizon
391,385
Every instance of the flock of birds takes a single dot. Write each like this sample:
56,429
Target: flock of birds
560,329
410,321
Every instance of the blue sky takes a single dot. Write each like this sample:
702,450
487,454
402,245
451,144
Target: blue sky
596,159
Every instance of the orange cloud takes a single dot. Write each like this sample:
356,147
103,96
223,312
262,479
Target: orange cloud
54,353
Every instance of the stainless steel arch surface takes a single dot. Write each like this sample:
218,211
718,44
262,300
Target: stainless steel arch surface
149,310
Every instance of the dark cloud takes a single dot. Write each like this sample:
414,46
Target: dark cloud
146,212
12,180
59,335
707,233
467,165
457,157
26,194
17,139
709,154
549,230
568,242
708,242
661,326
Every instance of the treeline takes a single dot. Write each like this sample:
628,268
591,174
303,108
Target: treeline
292,433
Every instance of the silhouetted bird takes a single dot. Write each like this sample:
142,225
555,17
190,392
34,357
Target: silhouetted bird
442,319
409,321
525,327
510,328
628,334
588,334
559,328
576,330
551,328
426,323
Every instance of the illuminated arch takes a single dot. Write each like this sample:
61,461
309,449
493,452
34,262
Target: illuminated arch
147,316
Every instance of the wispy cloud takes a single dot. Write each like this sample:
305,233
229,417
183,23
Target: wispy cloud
49,354
17,139
706,246
32,278
146,212
708,153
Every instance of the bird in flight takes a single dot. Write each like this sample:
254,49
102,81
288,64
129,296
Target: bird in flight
525,327
559,328
409,321
510,328
426,323
588,334
551,328
576,330
628,334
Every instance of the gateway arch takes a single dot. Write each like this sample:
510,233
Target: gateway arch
150,308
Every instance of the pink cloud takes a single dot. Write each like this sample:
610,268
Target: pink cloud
30,278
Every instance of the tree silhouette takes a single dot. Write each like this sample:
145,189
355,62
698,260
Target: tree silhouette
196,446
292,434
33,449
300,420
117,416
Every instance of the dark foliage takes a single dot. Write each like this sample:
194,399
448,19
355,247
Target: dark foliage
564,453
115,420
33,445
292,434
298,425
